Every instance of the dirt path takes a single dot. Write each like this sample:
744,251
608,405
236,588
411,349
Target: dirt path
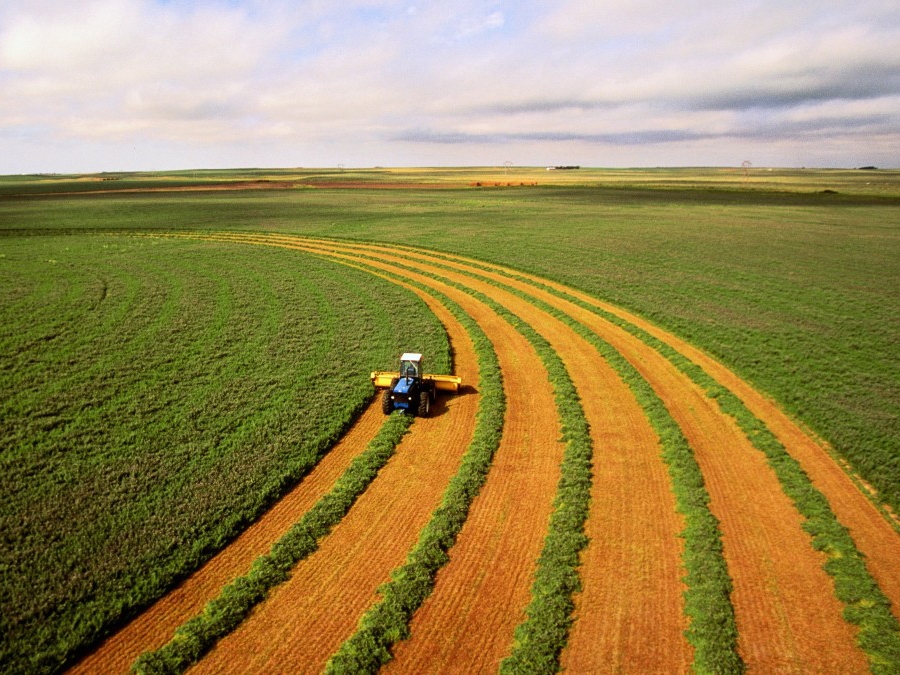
305,620
155,626
773,566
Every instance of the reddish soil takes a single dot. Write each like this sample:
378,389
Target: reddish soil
154,627
297,625
872,531
635,551
773,566
366,185
467,623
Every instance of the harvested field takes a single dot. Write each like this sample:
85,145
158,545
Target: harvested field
772,563
649,546
873,533
154,627
630,613
360,553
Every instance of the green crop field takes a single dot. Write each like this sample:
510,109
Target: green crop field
158,394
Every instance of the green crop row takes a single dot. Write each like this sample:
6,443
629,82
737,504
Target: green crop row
541,637
165,394
388,620
224,613
539,640
712,632
865,604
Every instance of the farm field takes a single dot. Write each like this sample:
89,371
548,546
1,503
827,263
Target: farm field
621,334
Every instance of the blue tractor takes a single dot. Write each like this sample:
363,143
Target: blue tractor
410,389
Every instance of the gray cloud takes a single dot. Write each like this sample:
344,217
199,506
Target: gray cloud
629,138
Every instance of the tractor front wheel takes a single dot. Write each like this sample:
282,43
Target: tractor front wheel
424,404
387,405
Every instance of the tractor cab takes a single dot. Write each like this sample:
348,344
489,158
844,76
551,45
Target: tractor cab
410,366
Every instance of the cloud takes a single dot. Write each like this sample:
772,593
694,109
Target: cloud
390,81
479,24
629,138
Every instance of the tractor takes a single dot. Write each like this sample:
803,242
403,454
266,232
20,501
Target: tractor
410,389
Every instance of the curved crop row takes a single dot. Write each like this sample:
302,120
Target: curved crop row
877,653
866,605
237,599
712,630
542,637
525,562
714,641
463,295
160,397
372,540
388,621
155,626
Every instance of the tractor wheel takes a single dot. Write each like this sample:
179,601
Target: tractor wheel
387,405
424,404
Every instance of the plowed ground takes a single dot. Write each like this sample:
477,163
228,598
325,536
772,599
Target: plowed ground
630,614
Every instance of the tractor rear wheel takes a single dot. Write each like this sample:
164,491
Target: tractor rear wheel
424,404
387,405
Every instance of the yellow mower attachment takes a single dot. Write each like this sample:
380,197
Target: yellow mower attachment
382,380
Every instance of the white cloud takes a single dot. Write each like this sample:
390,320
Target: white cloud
225,75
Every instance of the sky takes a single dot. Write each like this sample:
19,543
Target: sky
118,85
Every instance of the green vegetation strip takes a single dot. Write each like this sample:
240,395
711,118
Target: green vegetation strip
223,614
866,606
387,621
712,632
539,640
